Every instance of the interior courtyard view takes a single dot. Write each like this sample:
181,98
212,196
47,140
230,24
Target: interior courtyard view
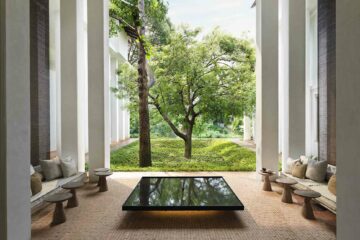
179,119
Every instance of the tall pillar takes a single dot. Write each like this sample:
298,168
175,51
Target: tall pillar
267,84
347,118
292,78
297,77
15,217
72,82
247,128
99,89
114,101
284,79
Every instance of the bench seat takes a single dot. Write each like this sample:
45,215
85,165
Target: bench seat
51,187
327,199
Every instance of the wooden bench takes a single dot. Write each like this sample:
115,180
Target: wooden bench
327,199
51,187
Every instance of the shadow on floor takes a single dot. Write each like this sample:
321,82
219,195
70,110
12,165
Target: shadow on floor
183,219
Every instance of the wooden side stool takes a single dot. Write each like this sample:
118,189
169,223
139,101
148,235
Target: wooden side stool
72,186
103,187
267,184
307,210
58,199
286,195
101,170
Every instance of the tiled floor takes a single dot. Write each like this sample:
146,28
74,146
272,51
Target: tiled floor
99,215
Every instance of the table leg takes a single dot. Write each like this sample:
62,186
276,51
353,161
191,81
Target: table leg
103,184
267,184
73,202
286,195
307,210
59,214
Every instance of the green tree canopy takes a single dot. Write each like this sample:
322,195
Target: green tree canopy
212,78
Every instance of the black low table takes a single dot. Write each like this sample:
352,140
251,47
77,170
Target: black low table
182,193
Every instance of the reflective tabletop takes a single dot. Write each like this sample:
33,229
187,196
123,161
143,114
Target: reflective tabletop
182,193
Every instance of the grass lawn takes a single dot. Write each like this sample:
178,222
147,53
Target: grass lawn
167,155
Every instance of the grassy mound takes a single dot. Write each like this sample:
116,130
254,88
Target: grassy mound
167,155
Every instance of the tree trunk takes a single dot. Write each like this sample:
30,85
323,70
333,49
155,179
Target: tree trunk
188,144
144,118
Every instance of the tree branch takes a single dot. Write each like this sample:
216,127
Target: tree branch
167,119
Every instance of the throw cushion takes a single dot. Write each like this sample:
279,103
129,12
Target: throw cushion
290,165
304,159
316,170
40,171
35,183
299,170
332,184
51,169
68,167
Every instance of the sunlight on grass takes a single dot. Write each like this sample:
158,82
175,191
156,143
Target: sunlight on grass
167,155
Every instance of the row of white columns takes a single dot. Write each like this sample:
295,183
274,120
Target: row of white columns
120,117
286,80
73,83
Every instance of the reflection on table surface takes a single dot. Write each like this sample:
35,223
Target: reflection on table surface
182,191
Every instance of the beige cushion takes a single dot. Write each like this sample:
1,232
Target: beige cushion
290,165
316,170
332,184
68,167
51,169
299,170
35,182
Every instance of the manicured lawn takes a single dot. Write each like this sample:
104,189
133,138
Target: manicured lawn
167,155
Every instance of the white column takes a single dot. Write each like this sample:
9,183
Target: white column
121,120
247,128
55,59
72,82
98,60
114,101
347,118
292,76
284,79
297,77
15,217
267,84
127,127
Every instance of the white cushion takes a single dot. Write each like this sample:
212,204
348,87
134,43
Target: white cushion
68,167
304,159
32,170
